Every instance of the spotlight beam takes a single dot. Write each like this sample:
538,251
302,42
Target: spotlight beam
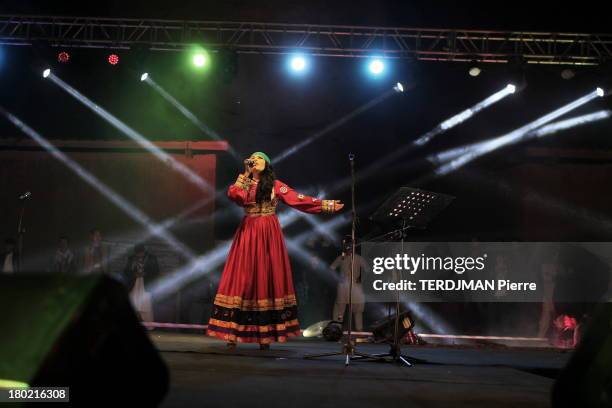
555,127
137,137
465,115
515,136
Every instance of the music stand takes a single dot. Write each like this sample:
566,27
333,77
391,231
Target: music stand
407,208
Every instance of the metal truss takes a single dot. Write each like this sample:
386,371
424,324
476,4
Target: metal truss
318,40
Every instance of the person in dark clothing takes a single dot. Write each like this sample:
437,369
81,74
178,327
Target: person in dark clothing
63,261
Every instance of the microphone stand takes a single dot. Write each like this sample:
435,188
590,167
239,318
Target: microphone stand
348,348
20,232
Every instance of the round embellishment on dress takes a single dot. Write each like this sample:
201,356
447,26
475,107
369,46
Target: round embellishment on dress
284,189
301,196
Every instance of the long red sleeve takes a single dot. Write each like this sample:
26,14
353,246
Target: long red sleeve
239,191
301,202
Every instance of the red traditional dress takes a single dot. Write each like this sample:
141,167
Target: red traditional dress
256,301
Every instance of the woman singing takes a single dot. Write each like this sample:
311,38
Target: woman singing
256,301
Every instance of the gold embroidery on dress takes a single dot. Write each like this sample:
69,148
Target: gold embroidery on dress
327,206
265,208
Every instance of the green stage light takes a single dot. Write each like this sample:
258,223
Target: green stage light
200,59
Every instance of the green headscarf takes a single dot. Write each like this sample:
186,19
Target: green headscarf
262,155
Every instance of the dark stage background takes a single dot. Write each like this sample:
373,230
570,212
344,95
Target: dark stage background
554,189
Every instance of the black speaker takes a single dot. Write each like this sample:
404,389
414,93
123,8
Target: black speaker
81,333
586,380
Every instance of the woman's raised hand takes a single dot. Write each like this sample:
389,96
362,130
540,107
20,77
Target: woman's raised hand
247,168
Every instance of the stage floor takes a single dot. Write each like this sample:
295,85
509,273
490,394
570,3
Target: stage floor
205,374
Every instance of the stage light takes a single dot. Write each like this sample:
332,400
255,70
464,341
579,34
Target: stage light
332,331
46,73
144,76
113,59
511,88
398,87
63,57
298,63
600,92
474,71
376,67
199,60
198,57
316,330
567,74
385,329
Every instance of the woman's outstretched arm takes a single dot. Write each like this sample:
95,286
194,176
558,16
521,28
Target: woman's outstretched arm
303,202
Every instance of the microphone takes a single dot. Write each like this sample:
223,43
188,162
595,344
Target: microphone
25,195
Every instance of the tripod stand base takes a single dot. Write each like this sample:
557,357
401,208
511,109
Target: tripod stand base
395,356
348,350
